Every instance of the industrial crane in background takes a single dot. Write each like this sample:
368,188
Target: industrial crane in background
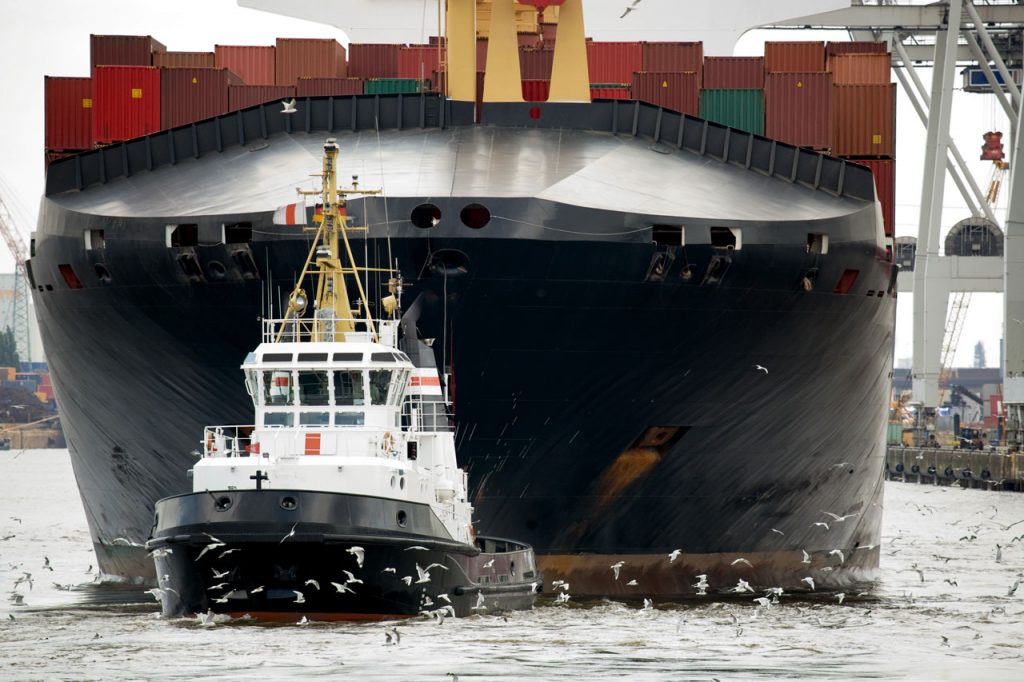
20,320
992,151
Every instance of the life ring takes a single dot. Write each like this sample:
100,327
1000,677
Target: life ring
211,445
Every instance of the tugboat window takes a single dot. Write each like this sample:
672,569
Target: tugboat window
313,388
279,419
277,388
380,380
348,388
314,419
349,419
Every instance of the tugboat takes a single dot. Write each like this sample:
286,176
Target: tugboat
344,500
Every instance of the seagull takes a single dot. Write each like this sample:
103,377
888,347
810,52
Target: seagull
674,555
628,10
213,539
25,578
161,552
15,518
343,588
423,573
616,567
125,541
1013,588
222,600
313,583
304,621
742,586
46,562
157,593
479,603
419,547
292,531
299,597
837,518
358,553
809,580
763,602
840,596
388,570
289,106
807,557
398,637
741,560
562,598
839,553
445,597
212,545
407,580
217,575
488,564
648,604
760,368
701,584
229,551
257,590
999,557
352,578
206,618
632,583
218,586
427,601
820,523
776,530
388,639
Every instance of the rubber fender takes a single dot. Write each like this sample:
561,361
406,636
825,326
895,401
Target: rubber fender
932,471
915,469
899,468
986,474
966,473
948,472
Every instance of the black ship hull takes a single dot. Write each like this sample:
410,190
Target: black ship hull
287,554
606,395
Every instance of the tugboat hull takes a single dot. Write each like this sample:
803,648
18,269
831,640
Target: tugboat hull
283,554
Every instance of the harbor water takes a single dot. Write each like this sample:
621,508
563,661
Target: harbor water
944,608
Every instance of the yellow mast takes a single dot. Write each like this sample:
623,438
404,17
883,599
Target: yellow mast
333,312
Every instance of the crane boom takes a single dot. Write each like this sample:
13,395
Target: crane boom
20,323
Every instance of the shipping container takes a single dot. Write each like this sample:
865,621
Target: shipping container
864,120
676,91
733,73
254,64
672,57
610,91
535,64
395,86
798,108
884,171
614,62
244,96
123,50
328,87
842,47
184,60
8,373
419,61
788,57
855,68
125,102
68,113
536,91
373,60
308,58
529,39
743,109
190,95
548,31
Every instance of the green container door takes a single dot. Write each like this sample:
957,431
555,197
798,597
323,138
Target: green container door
743,109
394,86
895,434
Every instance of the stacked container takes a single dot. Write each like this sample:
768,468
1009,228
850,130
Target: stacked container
733,93
308,58
190,95
123,50
184,60
372,60
126,102
68,114
797,94
419,61
254,64
676,91
614,62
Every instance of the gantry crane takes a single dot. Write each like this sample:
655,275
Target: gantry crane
20,322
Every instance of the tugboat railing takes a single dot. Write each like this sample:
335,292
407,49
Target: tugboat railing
312,329
228,441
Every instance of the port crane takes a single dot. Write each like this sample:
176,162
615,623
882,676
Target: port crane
20,322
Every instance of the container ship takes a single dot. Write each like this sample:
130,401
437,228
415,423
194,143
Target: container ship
662,304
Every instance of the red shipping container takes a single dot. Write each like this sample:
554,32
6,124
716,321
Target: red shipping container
68,113
884,171
794,56
864,120
605,92
733,73
529,39
834,47
535,63
373,60
536,91
548,32
308,58
254,64
676,91
671,57
184,60
327,87
419,62
855,68
190,95
125,102
244,96
798,108
614,62
123,50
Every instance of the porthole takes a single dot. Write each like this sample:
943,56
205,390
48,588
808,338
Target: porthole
102,273
401,483
222,503
289,503
425,216
401,518
392,481
216,269
475,216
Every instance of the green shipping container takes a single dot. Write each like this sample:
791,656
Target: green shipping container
743,109
395,86
895,434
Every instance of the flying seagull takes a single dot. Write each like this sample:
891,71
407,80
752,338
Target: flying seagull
358,553
616,567
741,560
839,553
419,547
290,533
313,583
299,597
674,555
761,368
632,583
820,523
479,602
837,518
212,545
289,106
351,578
809,580
343,588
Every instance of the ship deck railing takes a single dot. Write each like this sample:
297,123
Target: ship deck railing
312,329
228,441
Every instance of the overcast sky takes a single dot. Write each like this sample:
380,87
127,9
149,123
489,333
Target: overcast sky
51,37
